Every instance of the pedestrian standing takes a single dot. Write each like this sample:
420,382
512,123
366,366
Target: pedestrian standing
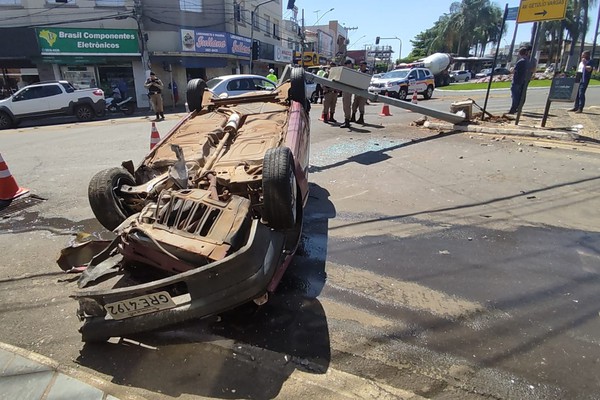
347,100
175,90
584,73
155,87
271,76
329,100
320,94
519,80
359,102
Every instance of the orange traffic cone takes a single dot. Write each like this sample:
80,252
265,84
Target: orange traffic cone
385,111
414,98
9,189
154,136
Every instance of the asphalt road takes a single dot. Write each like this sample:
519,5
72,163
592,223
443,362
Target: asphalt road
448,265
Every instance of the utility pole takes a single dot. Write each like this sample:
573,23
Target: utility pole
137,15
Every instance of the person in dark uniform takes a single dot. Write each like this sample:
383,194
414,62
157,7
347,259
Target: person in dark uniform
519,80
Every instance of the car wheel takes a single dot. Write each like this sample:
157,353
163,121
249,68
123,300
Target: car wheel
128,109
403,93
313,97
279,188
298,90
5,120
105,197
428,92
84,112
195,92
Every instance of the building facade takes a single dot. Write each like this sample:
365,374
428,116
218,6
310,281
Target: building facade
104,42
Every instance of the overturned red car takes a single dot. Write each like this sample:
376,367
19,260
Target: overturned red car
208,221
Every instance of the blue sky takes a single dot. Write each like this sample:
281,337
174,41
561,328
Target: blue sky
398,18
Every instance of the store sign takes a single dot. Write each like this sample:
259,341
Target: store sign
199,41
311,59
89,42
283,55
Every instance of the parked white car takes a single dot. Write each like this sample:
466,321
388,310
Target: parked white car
50,98
460,76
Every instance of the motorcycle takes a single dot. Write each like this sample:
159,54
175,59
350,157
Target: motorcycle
118,104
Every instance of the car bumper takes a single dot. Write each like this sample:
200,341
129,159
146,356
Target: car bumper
99,106
216,287
383,90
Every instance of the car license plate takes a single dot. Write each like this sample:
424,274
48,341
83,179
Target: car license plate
145,304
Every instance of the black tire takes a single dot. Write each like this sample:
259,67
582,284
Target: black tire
195,92
108,206
84,112
314,98
298,89
428,93
128,109
6,121
279,189
403,93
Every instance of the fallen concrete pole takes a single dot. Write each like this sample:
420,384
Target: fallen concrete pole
407,105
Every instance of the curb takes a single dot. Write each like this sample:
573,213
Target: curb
538,133
111,390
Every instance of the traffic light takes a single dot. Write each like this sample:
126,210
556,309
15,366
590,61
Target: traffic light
377,40
290,5
256,50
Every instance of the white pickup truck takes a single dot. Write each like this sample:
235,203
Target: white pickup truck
50,98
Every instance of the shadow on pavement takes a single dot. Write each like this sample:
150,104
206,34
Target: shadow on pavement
373,157
248,352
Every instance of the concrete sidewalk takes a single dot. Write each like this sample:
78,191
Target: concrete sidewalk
25,375
561,124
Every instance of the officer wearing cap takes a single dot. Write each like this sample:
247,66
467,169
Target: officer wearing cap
329,100
155,87
359,102
347,100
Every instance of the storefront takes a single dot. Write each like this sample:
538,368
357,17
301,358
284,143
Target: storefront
202,54
89,57
18,46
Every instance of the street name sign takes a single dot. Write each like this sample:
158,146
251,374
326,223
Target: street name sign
541,10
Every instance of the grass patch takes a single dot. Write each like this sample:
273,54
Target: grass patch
503,85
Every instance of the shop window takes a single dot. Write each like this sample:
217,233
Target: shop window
10,2
190,5
110,3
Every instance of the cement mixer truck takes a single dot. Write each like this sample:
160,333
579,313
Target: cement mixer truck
437,63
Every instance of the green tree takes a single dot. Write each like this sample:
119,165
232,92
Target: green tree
469,24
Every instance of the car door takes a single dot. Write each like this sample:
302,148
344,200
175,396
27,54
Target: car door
422,81
412,81
29,100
